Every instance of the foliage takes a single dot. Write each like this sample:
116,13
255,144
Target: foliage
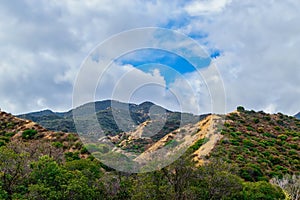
197,144
261,190
269,142
29,134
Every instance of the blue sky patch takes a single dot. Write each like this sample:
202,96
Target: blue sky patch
169,64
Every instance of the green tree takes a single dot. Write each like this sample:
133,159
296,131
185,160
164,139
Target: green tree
261,190
13,171
216,180
151,185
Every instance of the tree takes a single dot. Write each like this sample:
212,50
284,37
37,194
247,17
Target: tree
261,190
13,171
151,185
179,175
240,109
216,180
49,180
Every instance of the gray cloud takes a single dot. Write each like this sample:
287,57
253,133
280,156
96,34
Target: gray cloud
42,44
260,47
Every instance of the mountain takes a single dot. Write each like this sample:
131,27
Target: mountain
106,113
297,115
36,163
262,145
240,146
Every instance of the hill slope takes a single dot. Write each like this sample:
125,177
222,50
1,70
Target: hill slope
262,145
16,130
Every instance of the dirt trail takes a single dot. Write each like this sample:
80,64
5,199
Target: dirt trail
185,137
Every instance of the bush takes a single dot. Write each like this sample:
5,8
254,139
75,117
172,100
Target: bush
240,109
29,134
72,138
282,137
248,143
70,156
256,120
198,144
262,190
260,129
57,144
251,172
84,150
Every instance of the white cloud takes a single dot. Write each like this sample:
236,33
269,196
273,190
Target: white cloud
42,45
196,8
260,46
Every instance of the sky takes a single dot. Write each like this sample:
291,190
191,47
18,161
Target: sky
251,50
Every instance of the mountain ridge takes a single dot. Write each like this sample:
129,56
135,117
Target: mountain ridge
262,145
105,111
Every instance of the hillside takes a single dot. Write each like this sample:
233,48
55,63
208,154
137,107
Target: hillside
262,145
256,146
105,114
16,130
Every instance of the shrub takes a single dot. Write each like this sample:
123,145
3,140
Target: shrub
240,109
57,144
251,172
29,134
277,128
268,118
198,144
260,129
249,128
248,143
84,150
71,138
256,120
282,137
10,134
2,143
275,160
262,190
72,156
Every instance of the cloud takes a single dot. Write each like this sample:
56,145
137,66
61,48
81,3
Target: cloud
260,46
42,45
196,8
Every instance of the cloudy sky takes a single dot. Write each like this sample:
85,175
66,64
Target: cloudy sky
255,46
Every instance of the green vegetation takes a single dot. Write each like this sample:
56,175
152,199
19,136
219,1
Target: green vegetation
260,144
29,134
255,148
197,144
24,176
